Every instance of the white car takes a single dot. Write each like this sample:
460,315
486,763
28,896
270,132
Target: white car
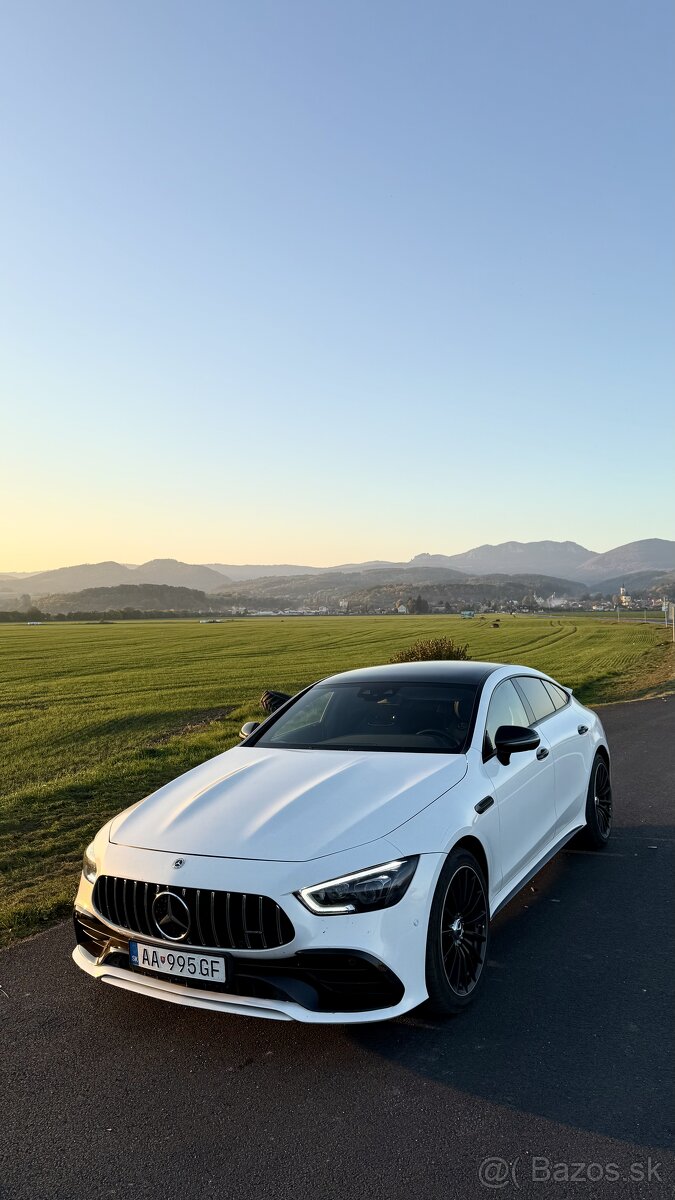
343,862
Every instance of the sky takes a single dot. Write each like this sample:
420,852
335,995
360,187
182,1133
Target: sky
297,281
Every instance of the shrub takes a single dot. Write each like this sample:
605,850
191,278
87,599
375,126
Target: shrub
425,649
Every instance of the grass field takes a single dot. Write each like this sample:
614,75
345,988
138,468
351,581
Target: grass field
93,717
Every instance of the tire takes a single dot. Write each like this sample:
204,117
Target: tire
598,805
458,935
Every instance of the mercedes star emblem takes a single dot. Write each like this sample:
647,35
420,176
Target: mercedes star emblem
178,863
171,916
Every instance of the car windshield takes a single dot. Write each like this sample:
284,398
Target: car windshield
413,717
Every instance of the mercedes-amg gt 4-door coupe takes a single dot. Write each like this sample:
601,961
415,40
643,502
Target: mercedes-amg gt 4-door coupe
343,862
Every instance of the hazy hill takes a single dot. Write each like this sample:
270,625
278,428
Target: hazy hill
112,574
638,581
334,584
177,574
73,579
374,564
650,554
543,585
562,559
567,560
258,571
146,597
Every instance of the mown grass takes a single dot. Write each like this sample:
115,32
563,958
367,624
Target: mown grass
93,717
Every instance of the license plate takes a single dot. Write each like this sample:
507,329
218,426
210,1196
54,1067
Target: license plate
183,963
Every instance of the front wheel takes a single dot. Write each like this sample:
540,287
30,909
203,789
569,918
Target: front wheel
599,805
458,935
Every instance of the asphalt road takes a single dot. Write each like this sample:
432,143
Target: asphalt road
565,1059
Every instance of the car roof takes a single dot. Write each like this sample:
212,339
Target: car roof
473,673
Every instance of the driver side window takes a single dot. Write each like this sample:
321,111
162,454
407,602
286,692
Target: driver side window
506,708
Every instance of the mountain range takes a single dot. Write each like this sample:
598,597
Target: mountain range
566,561
113,574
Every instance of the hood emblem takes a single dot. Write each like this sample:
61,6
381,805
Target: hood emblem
178,863
171,916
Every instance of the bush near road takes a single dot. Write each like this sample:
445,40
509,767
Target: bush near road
94,717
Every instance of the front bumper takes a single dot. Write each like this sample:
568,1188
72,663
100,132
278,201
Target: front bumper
320,982
338,969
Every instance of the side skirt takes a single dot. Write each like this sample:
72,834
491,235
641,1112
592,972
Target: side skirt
538,866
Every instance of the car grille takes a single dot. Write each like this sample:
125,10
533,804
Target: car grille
218,920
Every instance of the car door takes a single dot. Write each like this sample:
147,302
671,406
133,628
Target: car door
524,788
554,715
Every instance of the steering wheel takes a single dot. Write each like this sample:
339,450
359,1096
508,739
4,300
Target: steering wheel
438,733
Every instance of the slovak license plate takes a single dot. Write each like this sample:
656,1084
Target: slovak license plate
185,964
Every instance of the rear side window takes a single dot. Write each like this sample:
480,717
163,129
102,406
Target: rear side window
536,695
558,696
506,708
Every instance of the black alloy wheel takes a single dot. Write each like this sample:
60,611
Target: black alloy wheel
458,938
599,805
603,799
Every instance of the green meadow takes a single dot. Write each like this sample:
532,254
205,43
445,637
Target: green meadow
93,717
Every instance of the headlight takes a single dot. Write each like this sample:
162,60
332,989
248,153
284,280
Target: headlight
89,864
378,887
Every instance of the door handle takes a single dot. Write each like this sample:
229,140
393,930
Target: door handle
542,752
582,728
483,805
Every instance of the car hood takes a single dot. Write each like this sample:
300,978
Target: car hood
287,805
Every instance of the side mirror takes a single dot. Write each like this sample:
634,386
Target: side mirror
247,729
513,739
271,701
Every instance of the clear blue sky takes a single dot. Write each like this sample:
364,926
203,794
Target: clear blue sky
311,282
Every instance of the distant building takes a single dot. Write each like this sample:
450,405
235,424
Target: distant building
401,608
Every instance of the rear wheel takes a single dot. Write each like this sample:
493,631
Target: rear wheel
599,805
458,935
